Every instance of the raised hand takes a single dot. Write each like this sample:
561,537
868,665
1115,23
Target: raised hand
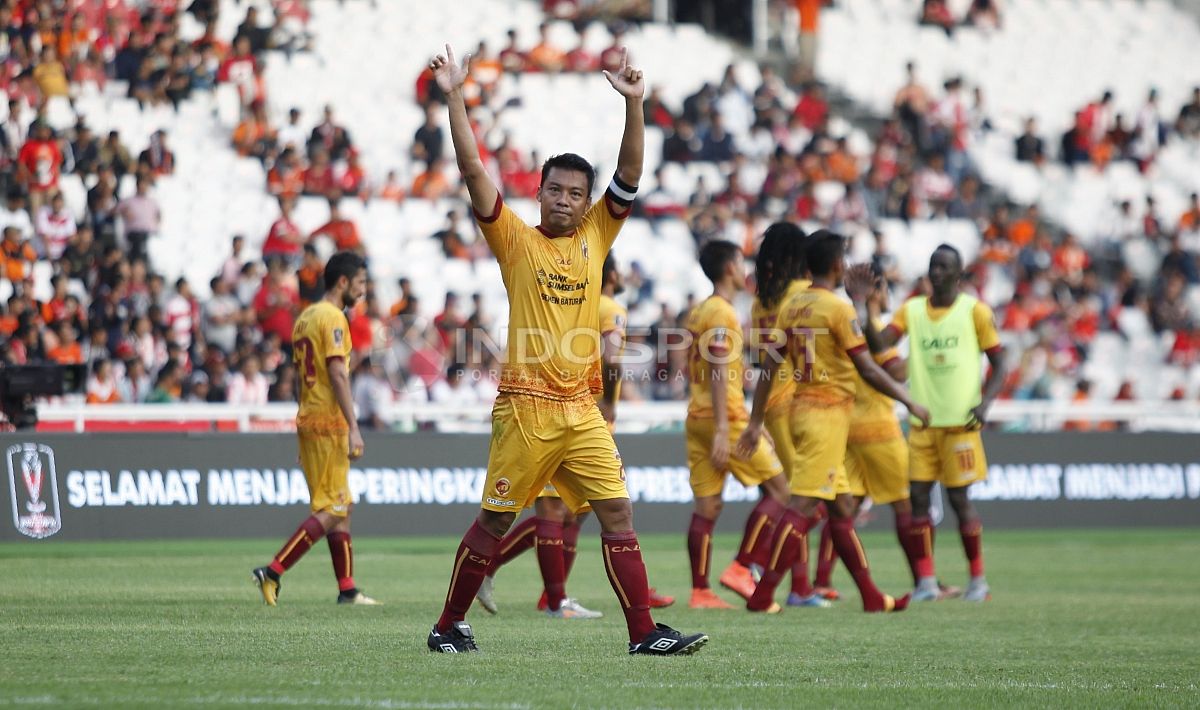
449,75
627,81
860,282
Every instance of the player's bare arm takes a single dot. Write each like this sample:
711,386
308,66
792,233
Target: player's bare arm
754,431
610,372
860,284
874,375
720,443
991,386
339,380
450,77
630,83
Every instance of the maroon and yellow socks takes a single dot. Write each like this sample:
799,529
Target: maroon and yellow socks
550,561
570,543
627,575
919,539
699,542
790,534
341,552
760,530
471,563
914,548
800,584
849,548
299,543
826,557
972,539
518,540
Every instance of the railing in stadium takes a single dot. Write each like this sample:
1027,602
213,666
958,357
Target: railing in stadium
1034,416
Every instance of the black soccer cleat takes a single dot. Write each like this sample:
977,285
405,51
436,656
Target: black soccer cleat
459,639
665,641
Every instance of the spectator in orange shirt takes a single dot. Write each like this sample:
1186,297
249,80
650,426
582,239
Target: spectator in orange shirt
309,277
17,255
102,385
1022,231
68,351
545,56
1189,221
1083,391
432,183
254,135
840,164
404,305
486,68
391,189
286,176
1071,260
342,231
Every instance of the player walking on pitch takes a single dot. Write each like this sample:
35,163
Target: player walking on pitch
716,418
327,430
545,424
949,331
825,347
554,529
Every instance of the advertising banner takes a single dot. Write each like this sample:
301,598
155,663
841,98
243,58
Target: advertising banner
139,486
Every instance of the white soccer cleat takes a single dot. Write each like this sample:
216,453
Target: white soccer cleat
484,595
571,609
977,590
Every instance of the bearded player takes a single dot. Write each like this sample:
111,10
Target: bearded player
716,417
780,273
546,426
825,348
949,333
327,430
554,529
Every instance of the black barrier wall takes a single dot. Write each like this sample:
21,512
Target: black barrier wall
80,487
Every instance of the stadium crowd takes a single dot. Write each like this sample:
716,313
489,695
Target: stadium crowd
145,340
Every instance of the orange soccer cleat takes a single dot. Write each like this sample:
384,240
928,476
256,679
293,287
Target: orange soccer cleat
738,579
707,599
660,601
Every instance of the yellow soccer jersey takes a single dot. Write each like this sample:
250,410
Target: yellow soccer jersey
716,351
613,319
766,337
874,418
985,322
553,288
320,341
822,334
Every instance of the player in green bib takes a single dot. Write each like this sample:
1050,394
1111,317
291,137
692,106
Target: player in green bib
948,332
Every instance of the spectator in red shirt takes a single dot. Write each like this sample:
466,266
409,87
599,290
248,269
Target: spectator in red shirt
285,241
449,322
38,165
511,58
276,302
580,60
611,57
812,108
318,178
241,69
352,179
342,231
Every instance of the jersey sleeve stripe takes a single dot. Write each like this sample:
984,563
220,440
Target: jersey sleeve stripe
856,349
485,219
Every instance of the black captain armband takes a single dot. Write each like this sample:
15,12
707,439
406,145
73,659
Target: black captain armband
621,193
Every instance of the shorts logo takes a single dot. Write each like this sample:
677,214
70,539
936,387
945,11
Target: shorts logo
499,502
35,507
503,486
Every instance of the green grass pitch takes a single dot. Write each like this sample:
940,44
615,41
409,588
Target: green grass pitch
1083,619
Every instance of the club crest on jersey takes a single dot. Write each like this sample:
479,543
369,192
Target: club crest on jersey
33,483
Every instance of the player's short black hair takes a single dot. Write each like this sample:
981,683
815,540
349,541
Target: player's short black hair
715,256
824,250
343,263
957,254
610,266
569,161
